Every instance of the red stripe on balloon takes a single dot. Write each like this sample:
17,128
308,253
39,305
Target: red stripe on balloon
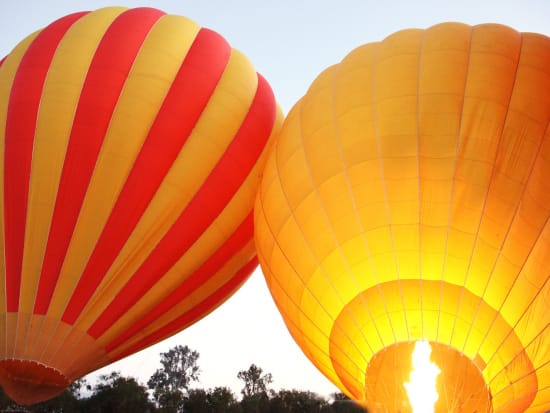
231,246
195,82
197,312
104,81
217,190
22,113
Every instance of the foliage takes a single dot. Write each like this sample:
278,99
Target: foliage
66,402
113,393
117,394
171,382
217,400
254,382
296,401
196,401
255,398
222,400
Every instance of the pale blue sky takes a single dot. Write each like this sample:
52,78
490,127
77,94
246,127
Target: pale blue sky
290,42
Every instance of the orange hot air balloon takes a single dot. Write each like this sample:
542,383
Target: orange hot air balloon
133,143
407,198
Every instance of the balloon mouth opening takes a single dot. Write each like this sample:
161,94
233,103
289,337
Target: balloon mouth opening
459,382
29,382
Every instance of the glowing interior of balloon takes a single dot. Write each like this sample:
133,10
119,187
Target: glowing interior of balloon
421,386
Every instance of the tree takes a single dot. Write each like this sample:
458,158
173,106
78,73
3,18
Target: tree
296,401
254,382
75,388
117,394
222,400
196,401
217,400
66,402
171,382
255,398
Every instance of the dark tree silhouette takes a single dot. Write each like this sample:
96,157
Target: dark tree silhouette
117,394
171,382
296,401
255,398
254,381
217,400
222,400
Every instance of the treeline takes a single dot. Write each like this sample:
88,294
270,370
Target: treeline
168,391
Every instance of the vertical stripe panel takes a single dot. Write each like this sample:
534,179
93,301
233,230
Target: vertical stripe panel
61,91
189,94
225,112
104,81
200,310
144,90
216,192
20,127
212,239
236,242
7,74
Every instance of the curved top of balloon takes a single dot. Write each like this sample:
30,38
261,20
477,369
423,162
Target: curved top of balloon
133,143
407,198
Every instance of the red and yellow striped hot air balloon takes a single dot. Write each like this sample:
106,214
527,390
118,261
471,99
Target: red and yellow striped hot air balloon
133,144
407,198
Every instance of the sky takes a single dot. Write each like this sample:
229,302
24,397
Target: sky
289,42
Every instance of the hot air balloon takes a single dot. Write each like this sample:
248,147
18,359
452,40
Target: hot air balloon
133,144
407,199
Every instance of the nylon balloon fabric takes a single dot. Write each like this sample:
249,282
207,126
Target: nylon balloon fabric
133,144
407,198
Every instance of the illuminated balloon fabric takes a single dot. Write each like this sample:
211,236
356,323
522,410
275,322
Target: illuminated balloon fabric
133,144
407,198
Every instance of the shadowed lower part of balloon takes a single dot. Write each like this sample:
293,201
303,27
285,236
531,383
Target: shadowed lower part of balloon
46,360
31,381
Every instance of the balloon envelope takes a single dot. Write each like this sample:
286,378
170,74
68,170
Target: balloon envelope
407,198
133,143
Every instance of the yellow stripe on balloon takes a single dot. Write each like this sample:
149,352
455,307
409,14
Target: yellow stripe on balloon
217,233
65,77
225,111
198,295
131,120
